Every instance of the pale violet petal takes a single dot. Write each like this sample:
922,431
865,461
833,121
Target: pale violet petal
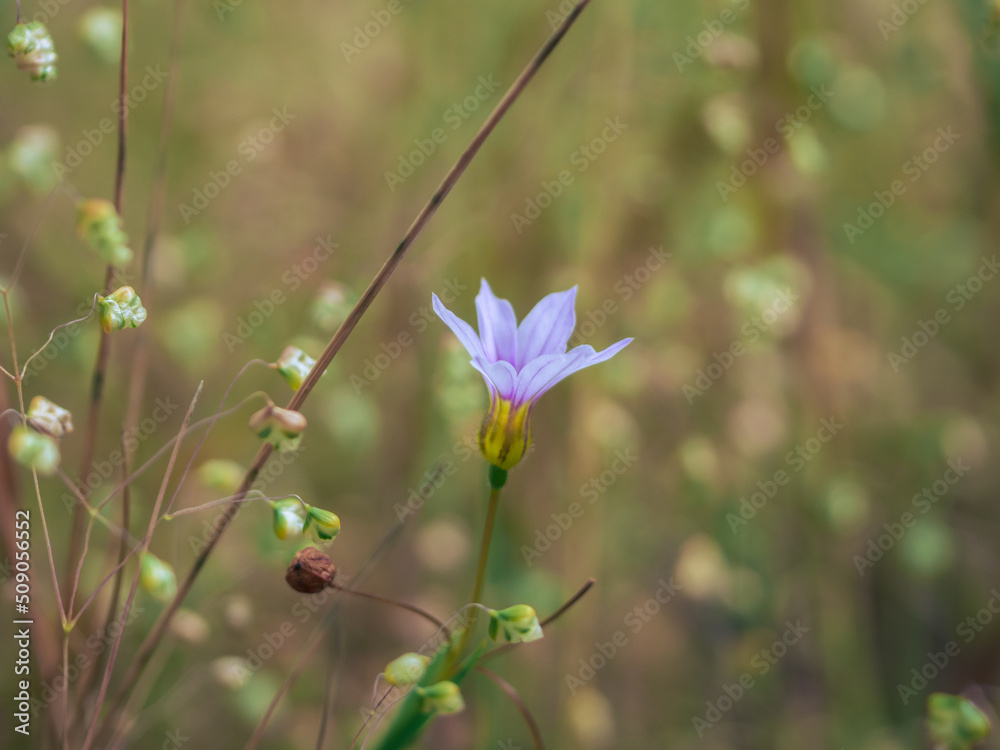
497,326
547,328
461,329
500,378
556,368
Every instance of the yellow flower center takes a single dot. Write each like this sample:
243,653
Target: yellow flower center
505,434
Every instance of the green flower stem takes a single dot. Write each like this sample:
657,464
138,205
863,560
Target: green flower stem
484,555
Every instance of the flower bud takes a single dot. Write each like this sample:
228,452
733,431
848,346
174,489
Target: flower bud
99,225
32,48
955,722
289,518
322,524
120,309
221,475
100,29
282,428
310,571
294,365
505,433
49,418
406,670
442,697
518,624
157,578
34,450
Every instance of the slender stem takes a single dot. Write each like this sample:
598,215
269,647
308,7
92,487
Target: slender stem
154,516
147,648
519,704
484,555
123,555
104,348
394,602
484,547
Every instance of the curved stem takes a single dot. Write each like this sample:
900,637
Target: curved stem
394,602
515,698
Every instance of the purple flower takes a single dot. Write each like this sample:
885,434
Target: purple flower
519,363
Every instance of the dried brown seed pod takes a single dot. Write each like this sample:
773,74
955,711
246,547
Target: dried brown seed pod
310,571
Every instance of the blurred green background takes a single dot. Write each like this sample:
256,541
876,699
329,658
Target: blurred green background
789,195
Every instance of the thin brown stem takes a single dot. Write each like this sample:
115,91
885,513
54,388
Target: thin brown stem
519,704
123,555
135,577
393,602
156,634
104,348
154,220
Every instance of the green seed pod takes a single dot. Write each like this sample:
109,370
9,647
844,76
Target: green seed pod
100,29
32,48
321,524
518,624
442,697
120,309
289,518
221,475
955,722
100,226
157,578
406,670
282,428
50,418
34,450
294,365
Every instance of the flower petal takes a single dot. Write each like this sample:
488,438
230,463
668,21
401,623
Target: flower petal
547,328
500,377
534,380
461,329
497,325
